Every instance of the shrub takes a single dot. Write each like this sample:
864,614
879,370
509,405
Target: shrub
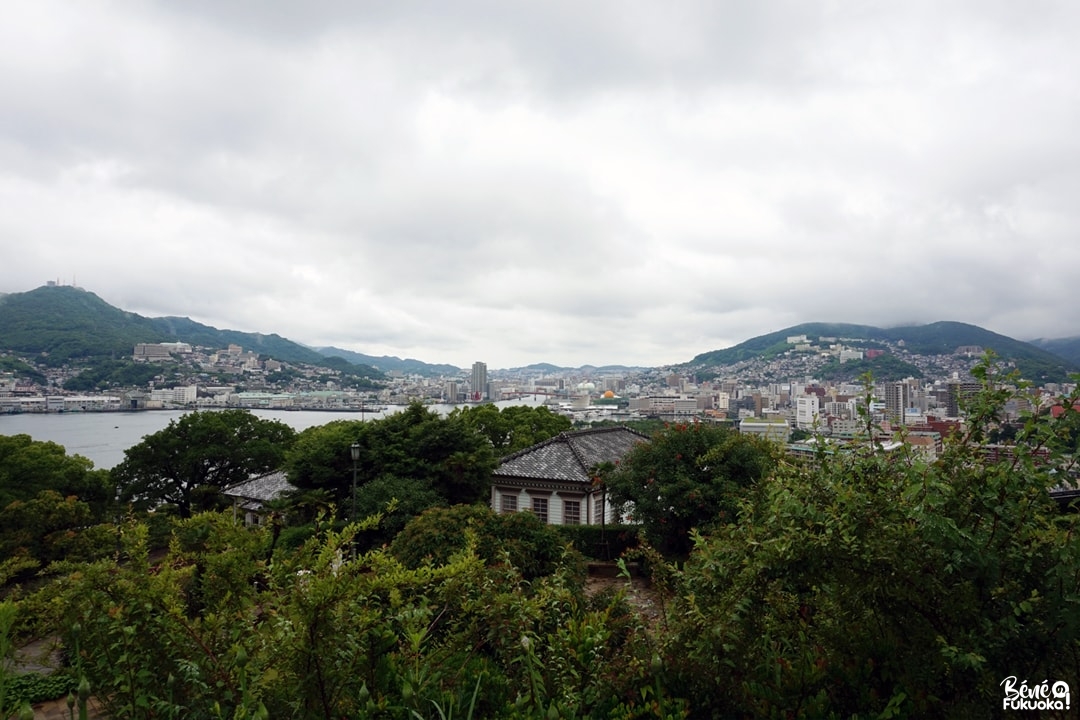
530,545
590,540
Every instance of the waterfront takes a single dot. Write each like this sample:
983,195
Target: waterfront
103,437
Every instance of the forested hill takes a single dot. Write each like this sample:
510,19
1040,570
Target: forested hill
68,323
1068,348
390,363
940,338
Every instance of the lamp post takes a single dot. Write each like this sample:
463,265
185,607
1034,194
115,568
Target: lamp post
354,449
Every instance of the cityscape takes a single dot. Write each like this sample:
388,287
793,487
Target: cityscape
779,397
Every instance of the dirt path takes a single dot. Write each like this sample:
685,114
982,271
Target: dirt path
641,596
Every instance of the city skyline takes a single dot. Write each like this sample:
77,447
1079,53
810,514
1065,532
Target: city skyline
552,182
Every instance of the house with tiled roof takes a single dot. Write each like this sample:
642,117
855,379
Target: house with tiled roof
554,480
249,496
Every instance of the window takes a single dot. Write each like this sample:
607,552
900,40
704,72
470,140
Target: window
540,507
508,504
571,512
598,510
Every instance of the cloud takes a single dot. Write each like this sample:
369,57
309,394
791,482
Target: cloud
599,183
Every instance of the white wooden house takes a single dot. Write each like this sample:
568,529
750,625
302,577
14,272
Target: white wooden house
554,480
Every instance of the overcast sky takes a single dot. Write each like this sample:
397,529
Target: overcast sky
565,182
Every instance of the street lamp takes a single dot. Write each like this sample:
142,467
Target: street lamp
354,449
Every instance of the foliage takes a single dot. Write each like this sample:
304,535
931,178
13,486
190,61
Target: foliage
601,543
521,539
871,584
28,466
647,427
854,584
409,496
513,428
319,459
51,527
216,631
445,455
188,462
35,687
689,476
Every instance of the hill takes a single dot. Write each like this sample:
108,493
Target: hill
940,338
389,363
68,324
1065,348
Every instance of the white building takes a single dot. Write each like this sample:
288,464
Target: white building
769,428
807,411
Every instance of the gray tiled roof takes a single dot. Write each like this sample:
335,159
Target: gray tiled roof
262,488
570,455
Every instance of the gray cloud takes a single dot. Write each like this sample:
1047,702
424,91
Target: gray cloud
598,183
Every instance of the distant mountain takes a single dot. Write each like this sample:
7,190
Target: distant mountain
549,368
540,368
71,324
940,338
1065,348
387,363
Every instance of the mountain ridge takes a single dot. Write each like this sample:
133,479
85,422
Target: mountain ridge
938,338
65,322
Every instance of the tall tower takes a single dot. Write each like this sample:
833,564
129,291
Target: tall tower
479,381
896,401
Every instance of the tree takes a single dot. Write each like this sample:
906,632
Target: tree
28,466
446,455
193,458
320,459
515,427
689,476
521,538
409,496
877,584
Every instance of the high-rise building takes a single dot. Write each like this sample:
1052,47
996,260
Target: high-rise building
479,381
958,393
896,401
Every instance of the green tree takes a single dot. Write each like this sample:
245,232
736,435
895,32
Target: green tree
28,466
873,584
521,538
397,500
51,527
515,427
689,476
320,459
188,462
445,455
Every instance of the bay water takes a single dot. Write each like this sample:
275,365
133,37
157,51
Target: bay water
102,437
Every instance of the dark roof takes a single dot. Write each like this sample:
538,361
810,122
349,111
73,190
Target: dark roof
261,488
570,455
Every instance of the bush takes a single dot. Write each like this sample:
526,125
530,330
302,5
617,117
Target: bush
531,546
589,540
35,687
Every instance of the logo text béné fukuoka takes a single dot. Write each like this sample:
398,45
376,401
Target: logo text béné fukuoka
1041,696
